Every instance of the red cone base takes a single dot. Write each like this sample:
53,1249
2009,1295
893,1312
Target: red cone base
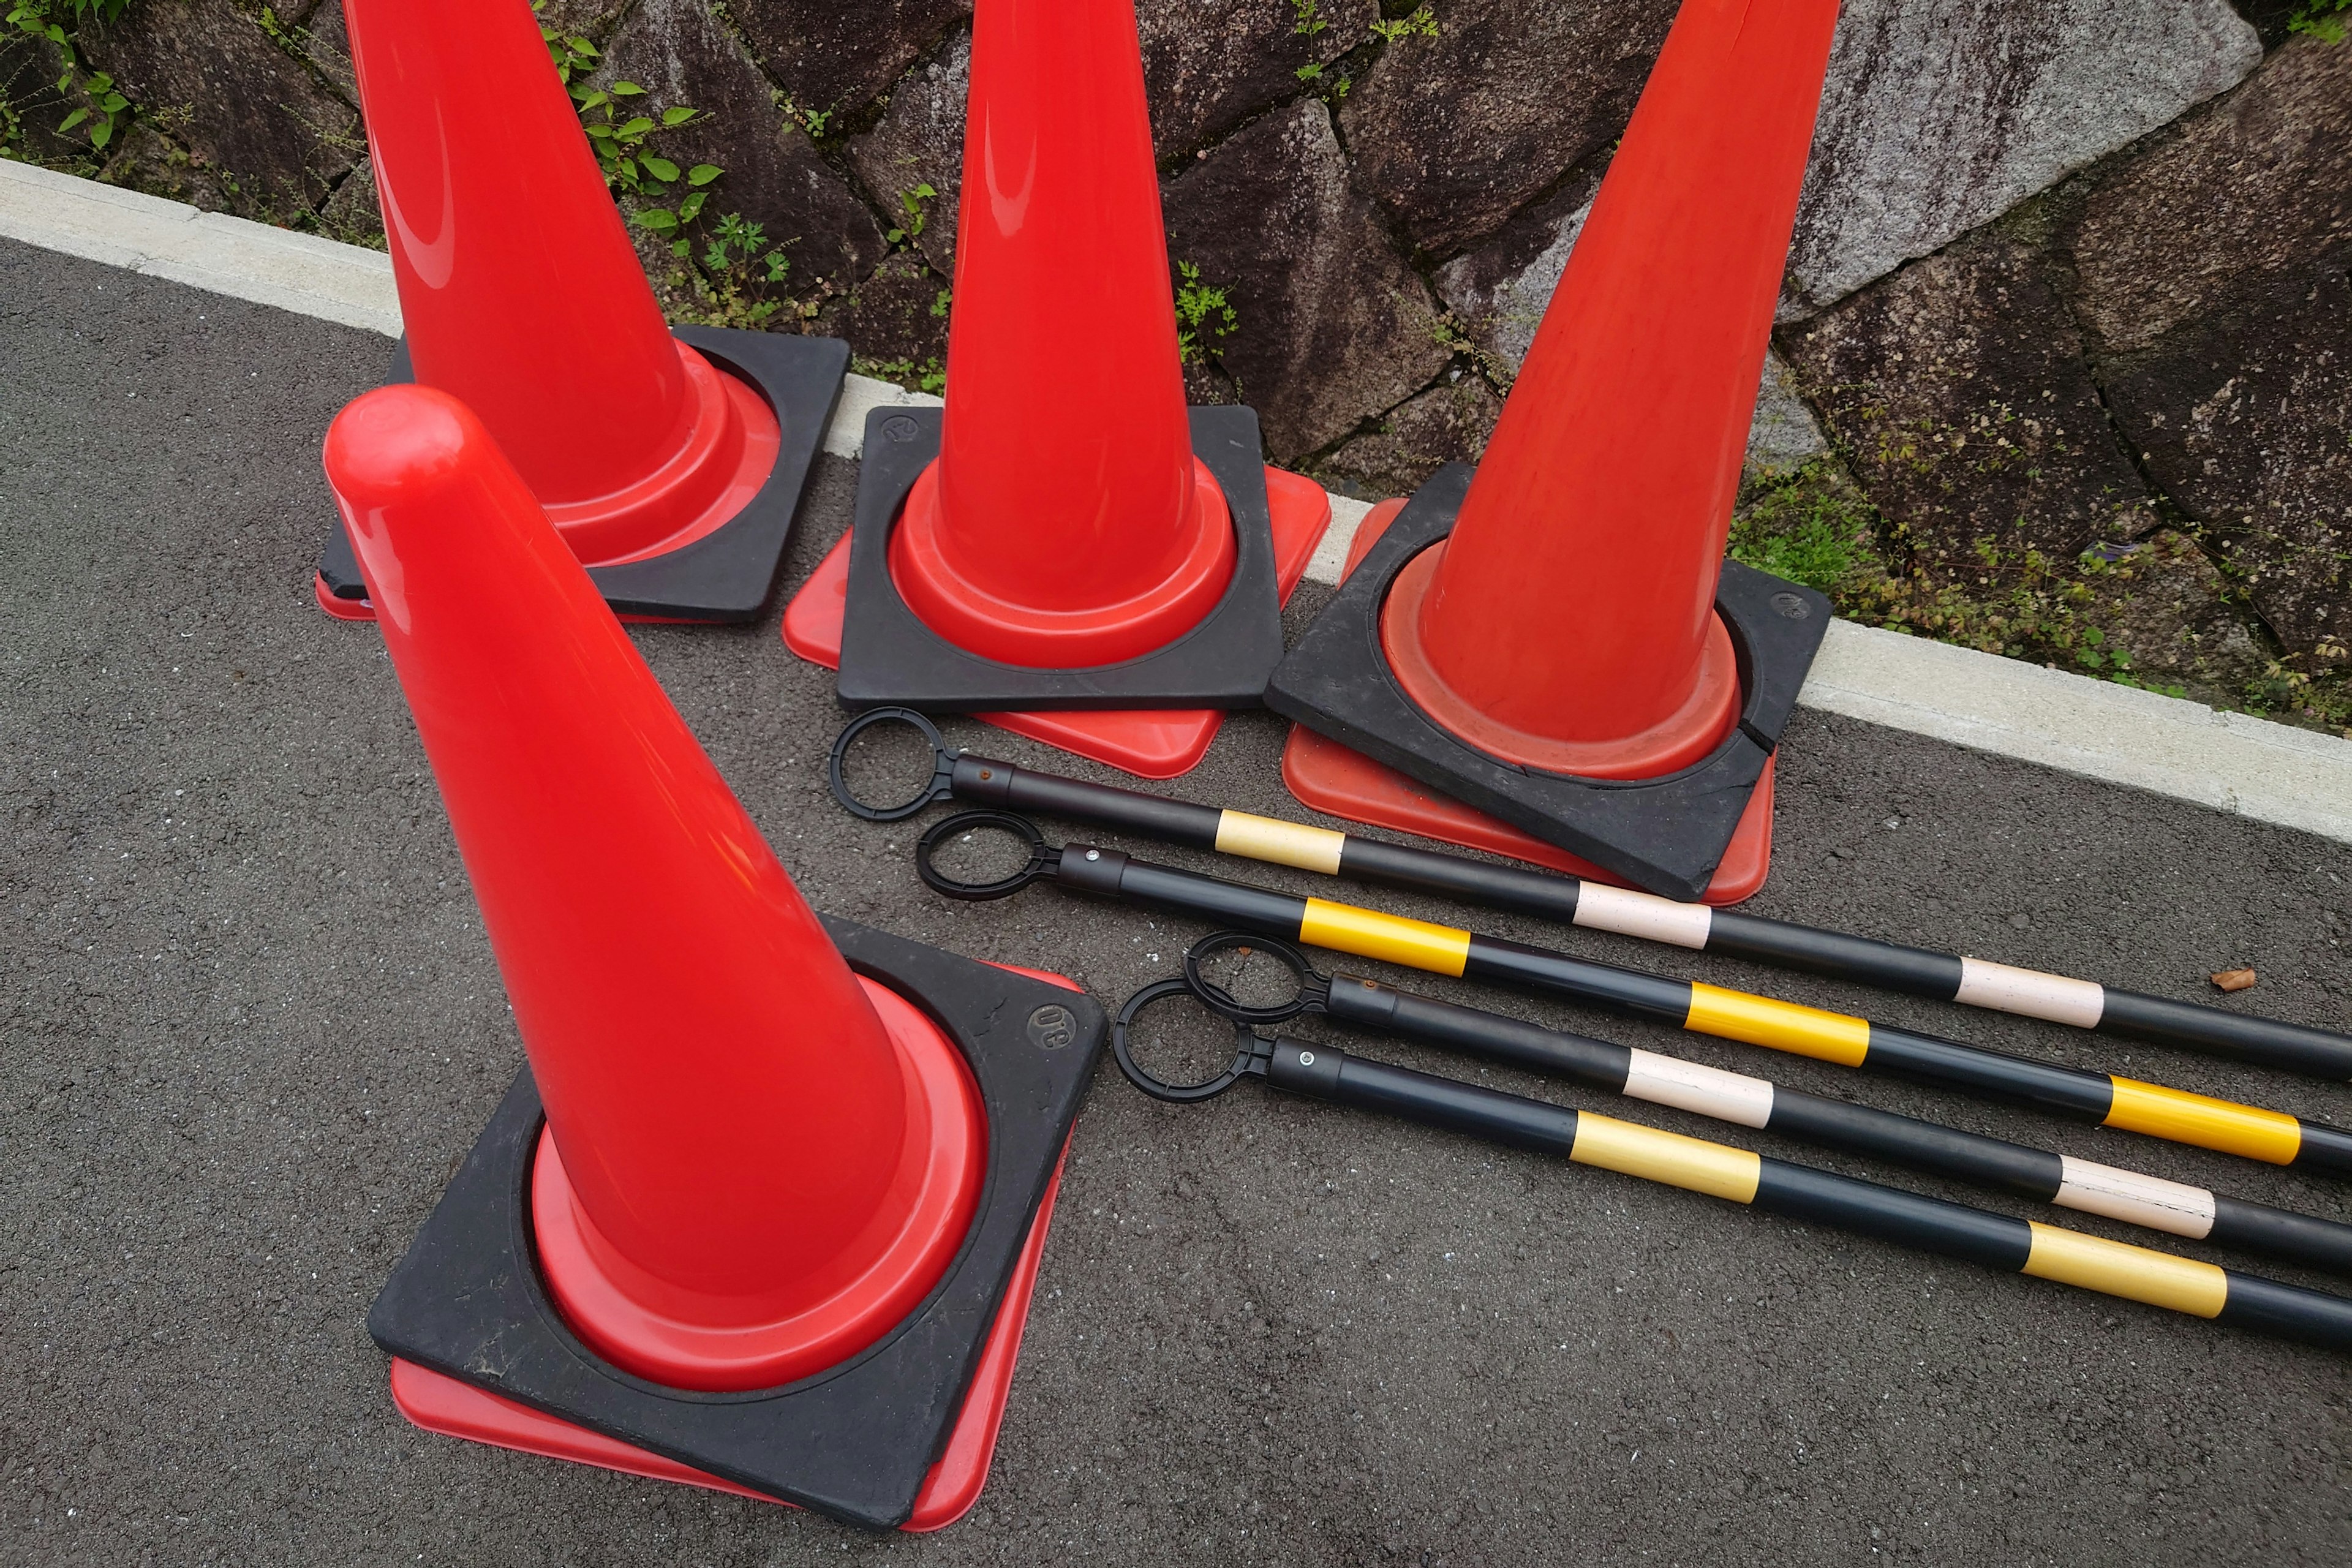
364,609
456,1409
1673,743
731,442
1321,774
1152,743
1324,774
924,568
666,1335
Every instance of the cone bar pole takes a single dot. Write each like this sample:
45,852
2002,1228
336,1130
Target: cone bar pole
2175,1115
2042,1174
521,295
1800,1193
1066,522
755,1164
1569,622
1597,906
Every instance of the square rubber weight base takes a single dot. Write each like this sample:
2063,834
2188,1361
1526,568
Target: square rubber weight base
1326,776
889,656
456,1409
898,1436
1152,743
1667,835
727,574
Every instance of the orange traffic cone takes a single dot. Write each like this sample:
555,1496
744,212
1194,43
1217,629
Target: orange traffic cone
1064,537
1558,640
672,466
733,1164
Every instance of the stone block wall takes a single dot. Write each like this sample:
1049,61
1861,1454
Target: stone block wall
2063,357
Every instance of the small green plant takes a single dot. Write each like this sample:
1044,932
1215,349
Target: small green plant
669,220
1422,23
1306,20
928,376
735,242
101,111
1203,313
620,139
911,202
2315,686
1806,529
572,55
736,280
2323,19
54,22
1448,331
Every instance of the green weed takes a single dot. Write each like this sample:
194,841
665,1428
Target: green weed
1809,529
928,377
911,204
1422,23
100,106
1203,314
2323,19
736,281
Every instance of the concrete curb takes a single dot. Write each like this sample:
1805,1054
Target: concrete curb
251,261
2271,773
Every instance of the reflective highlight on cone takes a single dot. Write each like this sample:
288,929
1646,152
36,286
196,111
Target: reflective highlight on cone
1066,522
753,1171
521,295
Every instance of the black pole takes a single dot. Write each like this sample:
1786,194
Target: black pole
1819,1197
1549,895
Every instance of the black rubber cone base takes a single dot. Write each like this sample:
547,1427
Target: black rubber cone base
728,573
889,655
855,1441
1664,834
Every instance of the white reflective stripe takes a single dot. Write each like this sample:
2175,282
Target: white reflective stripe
1280,843
2133,1198
2030,992
1710,1091
1645,915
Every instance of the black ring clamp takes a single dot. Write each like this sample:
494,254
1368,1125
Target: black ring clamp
1314,989
943,761
1043,860
1250,1053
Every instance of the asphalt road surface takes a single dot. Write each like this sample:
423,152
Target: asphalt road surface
250,1028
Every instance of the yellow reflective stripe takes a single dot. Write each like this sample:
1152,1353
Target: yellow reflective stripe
1782,1026
2223,1124
1280,843
1368,933
2134,1273
1715,1169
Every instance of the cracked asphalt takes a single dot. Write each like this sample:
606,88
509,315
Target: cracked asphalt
248,1027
